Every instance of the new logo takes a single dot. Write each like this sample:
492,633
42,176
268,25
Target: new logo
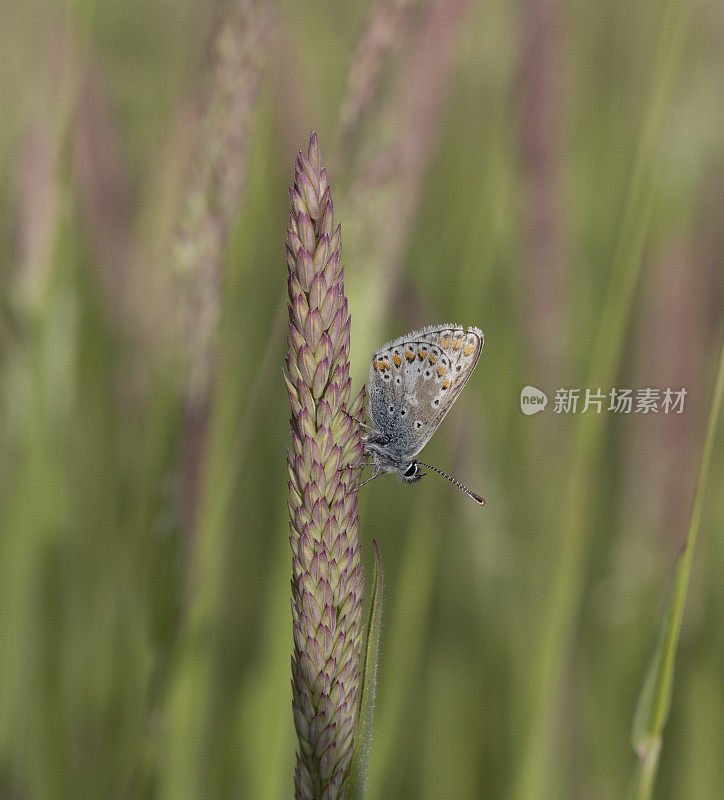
532,400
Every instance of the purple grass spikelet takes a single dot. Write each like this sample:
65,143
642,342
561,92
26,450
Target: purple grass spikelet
324,463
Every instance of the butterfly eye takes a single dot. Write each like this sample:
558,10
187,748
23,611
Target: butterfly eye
411,470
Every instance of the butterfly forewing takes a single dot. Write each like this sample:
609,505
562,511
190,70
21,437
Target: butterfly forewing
415,379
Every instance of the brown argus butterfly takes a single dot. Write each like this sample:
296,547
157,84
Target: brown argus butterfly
414,381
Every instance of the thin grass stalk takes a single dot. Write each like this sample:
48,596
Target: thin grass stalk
392,161
386,27
545,261
323,461
675,338
212,203
558,625
655,700
40,179
213,199
99,174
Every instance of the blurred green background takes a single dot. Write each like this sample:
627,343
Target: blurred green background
549,171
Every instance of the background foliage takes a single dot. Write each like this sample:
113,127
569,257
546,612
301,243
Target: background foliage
548,171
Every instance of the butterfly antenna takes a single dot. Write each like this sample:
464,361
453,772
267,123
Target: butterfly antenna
468,492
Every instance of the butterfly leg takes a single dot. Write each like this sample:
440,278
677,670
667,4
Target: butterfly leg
377,471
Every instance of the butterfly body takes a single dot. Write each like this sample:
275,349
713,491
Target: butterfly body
413,382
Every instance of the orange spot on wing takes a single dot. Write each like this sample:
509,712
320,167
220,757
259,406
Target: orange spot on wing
433,358
446,383
421,354
409,355
397,360
469,349
445,342
441,370
375,364
457,344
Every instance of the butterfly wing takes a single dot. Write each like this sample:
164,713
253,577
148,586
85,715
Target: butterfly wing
415,379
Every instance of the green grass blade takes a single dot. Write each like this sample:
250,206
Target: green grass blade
655,699
534,771
361,757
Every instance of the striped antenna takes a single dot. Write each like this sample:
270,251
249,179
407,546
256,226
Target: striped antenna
478,499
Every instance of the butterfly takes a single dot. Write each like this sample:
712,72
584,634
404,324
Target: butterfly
414,381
